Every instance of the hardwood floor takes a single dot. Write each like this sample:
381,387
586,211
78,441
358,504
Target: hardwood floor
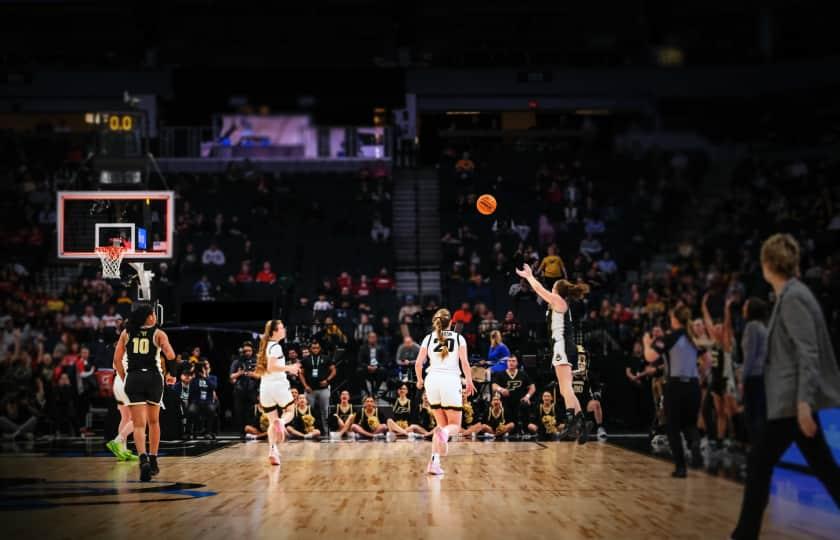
378,490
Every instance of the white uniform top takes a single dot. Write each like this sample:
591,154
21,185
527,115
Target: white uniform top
276,350
558,326
449,365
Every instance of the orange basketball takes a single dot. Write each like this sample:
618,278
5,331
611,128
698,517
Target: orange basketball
486,204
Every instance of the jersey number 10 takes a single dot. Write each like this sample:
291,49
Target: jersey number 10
141,345
450,345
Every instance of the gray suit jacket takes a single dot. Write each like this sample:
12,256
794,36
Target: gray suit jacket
800,359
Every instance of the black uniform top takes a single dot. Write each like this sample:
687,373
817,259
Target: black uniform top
517,384
546,418
569,334
304,421
469,416
344,414
427,419
368,422
141,349
403,412
495,420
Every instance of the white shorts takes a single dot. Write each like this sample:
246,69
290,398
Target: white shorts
118,388
443,391
275,394
559,358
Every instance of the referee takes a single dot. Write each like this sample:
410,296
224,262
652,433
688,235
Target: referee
800,377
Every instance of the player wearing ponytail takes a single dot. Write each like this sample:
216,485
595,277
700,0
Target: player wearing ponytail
275,392
443,382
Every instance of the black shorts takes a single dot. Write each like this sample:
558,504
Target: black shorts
144,386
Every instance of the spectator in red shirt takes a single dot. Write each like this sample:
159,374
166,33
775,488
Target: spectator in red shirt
344,280
362,290
463,316
245,275
266,275
383,282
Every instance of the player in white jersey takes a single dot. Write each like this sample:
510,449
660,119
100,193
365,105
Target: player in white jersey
275,393
443,382
126,427
564,349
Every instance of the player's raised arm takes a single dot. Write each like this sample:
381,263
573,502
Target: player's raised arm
556,301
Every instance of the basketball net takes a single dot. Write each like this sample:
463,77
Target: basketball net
111,257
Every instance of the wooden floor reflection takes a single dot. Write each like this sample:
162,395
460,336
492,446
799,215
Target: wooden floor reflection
348,490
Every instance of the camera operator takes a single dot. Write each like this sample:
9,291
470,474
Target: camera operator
245,386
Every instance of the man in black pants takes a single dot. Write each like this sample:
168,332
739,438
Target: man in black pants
245,387
801,378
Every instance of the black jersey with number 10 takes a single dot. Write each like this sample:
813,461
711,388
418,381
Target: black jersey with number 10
141,349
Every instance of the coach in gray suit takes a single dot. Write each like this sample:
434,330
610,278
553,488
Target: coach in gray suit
801,378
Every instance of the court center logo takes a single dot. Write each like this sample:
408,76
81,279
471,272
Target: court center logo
39,493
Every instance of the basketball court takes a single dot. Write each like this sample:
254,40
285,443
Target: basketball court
378,490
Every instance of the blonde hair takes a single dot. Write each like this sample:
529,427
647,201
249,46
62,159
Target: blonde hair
262,358
683,315
567,289
440,321
495,338
780,253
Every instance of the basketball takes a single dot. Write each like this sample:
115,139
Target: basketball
486,204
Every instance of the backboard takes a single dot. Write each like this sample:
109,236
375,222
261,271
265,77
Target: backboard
143,222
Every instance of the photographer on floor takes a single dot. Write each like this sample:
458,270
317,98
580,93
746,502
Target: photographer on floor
202,408
245,387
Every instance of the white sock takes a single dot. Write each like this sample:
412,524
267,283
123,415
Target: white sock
436,458
119,438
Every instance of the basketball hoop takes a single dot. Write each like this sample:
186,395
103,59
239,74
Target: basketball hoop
111,257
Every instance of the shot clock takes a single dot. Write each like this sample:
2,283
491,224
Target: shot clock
121,138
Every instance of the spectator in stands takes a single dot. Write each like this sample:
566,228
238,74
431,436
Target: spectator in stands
362,289
546,231
363,328
321,307
203,289
465,167
488,325
383,282
551,267
593,225
409,310
17,418
607,265
462,317
266,275
245,274
590,246
498,354
372,366
332,336
388,334
510,327
344,280
379,232
406,355
213,256
111,318
89,318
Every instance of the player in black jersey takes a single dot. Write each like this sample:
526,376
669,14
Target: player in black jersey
471,417
142,343
495,424
588,392
426,418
